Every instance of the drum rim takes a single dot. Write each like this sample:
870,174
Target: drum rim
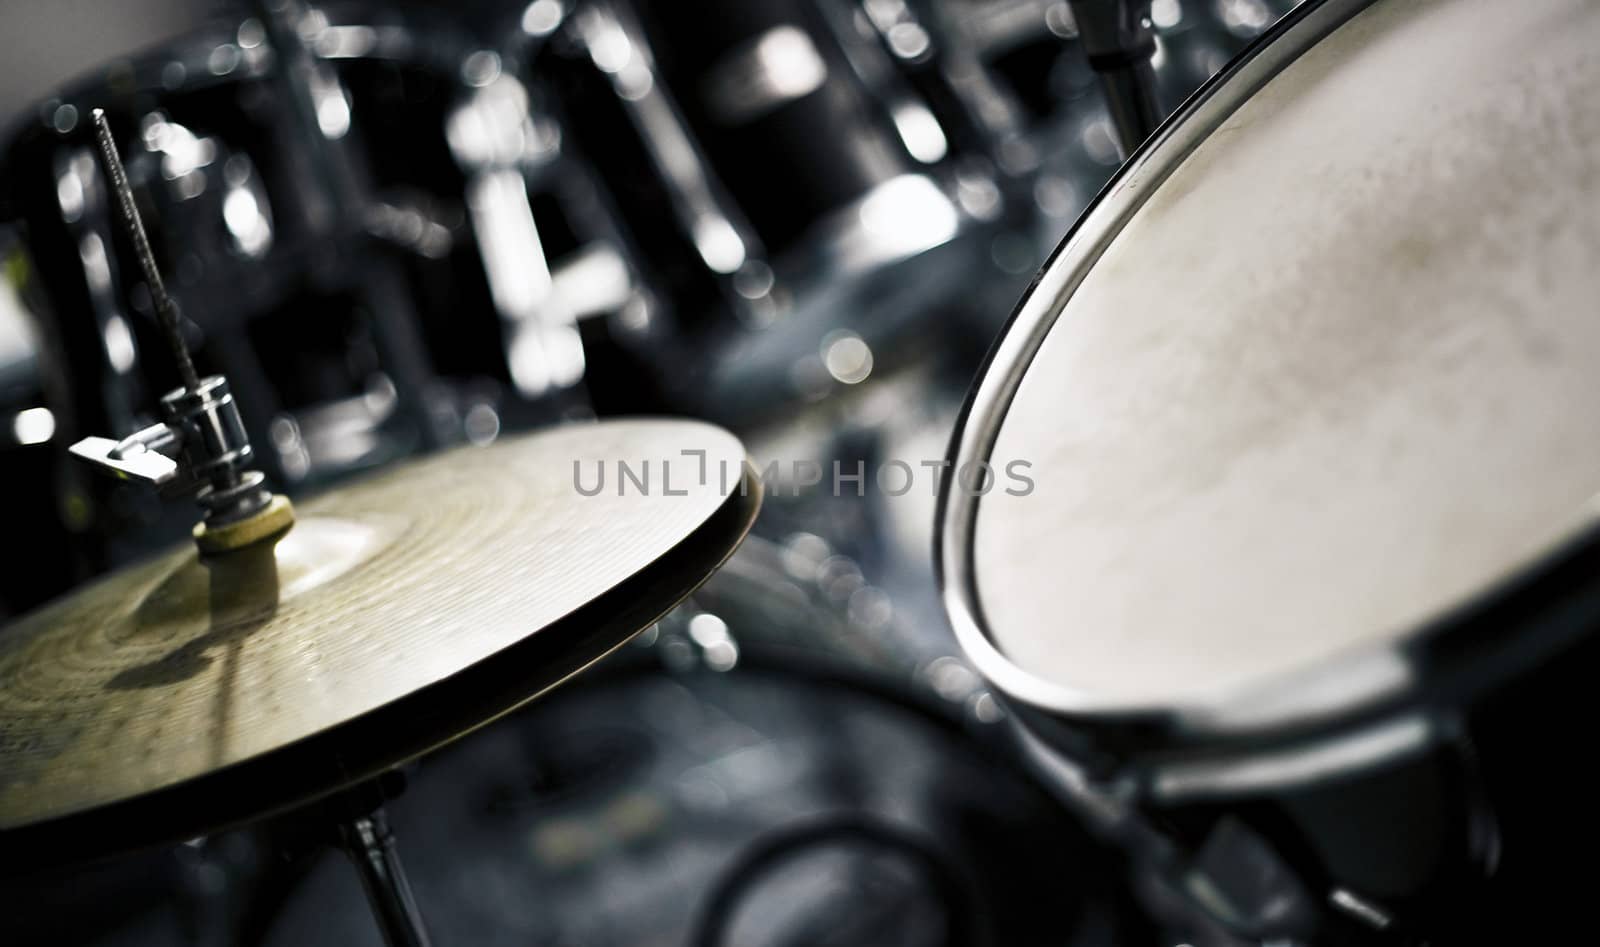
1364,682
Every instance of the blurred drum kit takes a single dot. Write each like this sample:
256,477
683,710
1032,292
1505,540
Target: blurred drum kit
1300,590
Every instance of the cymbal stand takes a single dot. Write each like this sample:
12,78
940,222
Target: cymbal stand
202,440
1119,38
361,830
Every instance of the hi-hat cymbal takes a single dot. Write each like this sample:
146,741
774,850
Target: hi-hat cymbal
180,695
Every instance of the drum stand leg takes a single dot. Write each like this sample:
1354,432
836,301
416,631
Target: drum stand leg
366,838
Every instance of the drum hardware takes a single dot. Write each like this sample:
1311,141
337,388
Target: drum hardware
898,62
759,275
1020,69
76,202
486,142
362,827
1119,38
343,203
962,104
202,424
1236,875
229,223
1367,781
255,239
749,75
704,247
356,198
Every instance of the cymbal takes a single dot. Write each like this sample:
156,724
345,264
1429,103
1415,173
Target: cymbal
180,695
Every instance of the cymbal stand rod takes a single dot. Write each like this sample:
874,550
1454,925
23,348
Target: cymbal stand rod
371,846
1119,38
166,310
201,425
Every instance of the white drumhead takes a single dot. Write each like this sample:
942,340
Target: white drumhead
1339,373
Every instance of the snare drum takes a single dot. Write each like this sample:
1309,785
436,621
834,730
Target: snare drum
1304,593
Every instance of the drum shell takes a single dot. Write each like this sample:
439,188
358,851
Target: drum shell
780,144
746,325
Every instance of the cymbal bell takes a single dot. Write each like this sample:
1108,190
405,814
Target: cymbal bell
181,695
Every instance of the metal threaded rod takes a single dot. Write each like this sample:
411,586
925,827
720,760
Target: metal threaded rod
370,845
166,311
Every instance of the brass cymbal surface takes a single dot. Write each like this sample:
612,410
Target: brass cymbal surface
383,612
